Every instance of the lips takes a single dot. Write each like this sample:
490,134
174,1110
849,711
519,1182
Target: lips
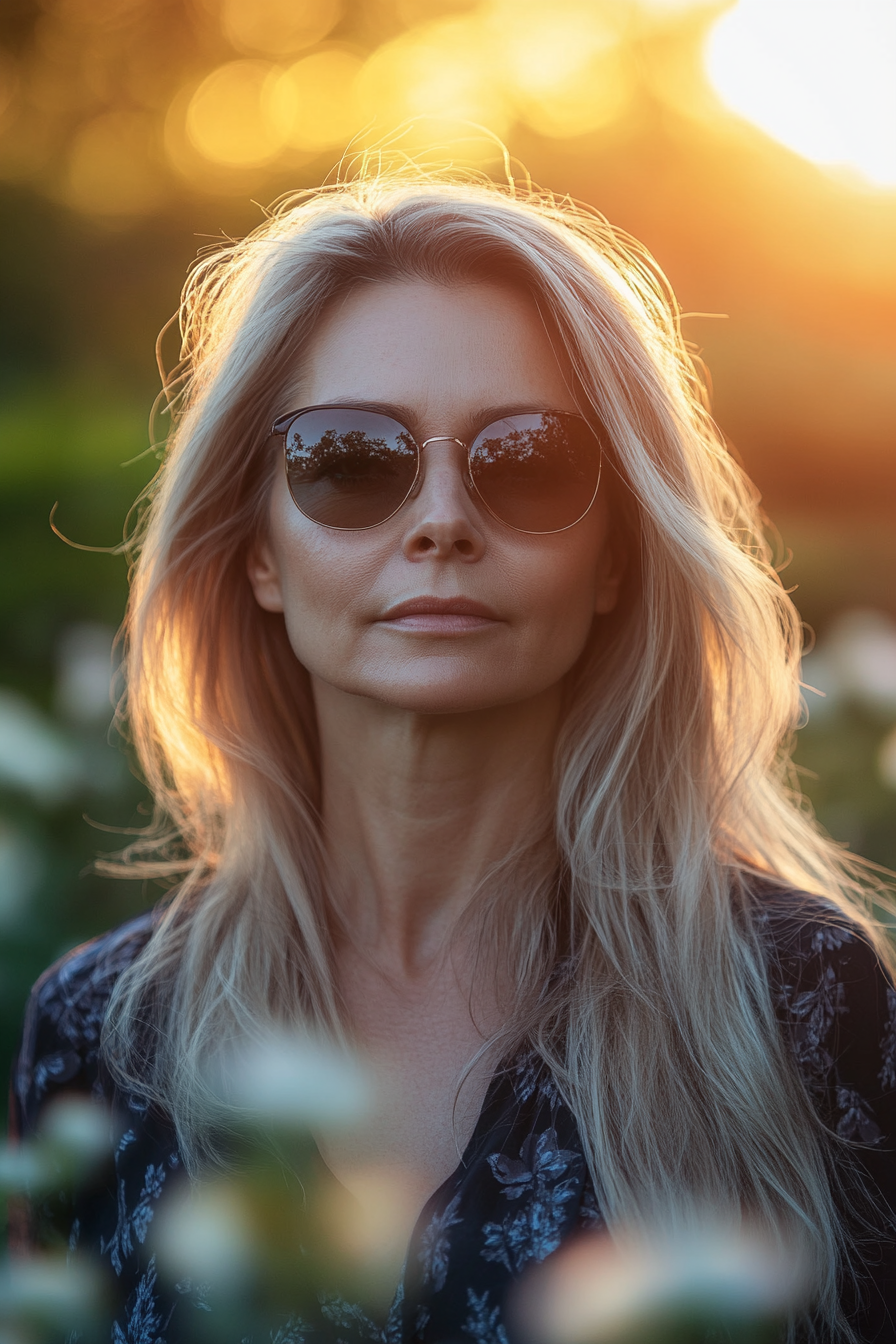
439,606
439,617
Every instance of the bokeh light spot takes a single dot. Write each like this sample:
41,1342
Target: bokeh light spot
278,27
817,75
443,70
596,96
549,49
563,66
226,119
313,103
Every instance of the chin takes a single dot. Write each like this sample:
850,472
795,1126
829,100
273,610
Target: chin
453,696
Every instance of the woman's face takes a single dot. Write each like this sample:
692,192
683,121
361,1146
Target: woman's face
444,361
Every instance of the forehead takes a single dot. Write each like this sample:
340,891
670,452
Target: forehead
446,352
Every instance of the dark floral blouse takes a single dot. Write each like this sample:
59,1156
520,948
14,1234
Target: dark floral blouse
522,1185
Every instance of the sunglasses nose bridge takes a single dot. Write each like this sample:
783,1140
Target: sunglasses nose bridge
435,438
442,438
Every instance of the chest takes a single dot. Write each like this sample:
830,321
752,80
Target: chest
522,1192
421,1045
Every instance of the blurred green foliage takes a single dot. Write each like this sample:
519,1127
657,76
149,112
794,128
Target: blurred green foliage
838,760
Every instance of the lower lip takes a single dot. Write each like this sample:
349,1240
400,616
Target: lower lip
440,623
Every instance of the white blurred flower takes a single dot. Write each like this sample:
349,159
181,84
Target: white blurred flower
78,1131
47,1291
856,659
22,1169
821,684
73,1138
204,1232
292,1079
84,670
34,756
599,1290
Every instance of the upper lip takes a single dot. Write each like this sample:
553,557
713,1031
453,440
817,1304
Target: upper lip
438,606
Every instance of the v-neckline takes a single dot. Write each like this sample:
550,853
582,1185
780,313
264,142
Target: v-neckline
441,1195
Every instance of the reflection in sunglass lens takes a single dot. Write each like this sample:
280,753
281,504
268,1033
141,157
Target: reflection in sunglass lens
537,472
347,468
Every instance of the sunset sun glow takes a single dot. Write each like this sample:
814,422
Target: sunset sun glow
816,75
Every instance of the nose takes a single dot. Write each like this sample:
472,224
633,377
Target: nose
442,518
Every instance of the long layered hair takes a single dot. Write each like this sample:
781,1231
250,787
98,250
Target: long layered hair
672,787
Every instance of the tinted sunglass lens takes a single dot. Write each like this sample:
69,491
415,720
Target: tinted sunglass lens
348,468
538,472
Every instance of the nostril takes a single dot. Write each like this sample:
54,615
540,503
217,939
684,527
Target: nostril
425,544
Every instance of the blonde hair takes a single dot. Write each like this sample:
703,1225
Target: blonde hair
672,787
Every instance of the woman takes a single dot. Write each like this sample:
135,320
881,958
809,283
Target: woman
456,659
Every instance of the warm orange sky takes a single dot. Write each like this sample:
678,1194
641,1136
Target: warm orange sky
137,110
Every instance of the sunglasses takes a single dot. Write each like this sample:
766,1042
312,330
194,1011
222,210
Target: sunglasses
352,468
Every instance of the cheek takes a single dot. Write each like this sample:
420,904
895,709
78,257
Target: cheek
324,580
555,600
566,573
567,585
568,612
316,596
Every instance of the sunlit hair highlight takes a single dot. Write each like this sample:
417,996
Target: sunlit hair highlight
672,785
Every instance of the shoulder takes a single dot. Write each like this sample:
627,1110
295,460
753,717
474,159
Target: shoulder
834,994
798,929
64,1017
810,939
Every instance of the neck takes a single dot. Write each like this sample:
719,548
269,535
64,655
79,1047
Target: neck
418,808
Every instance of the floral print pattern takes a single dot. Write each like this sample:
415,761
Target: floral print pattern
522,1185
542,1181
483,1323
887,1073
435,1244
